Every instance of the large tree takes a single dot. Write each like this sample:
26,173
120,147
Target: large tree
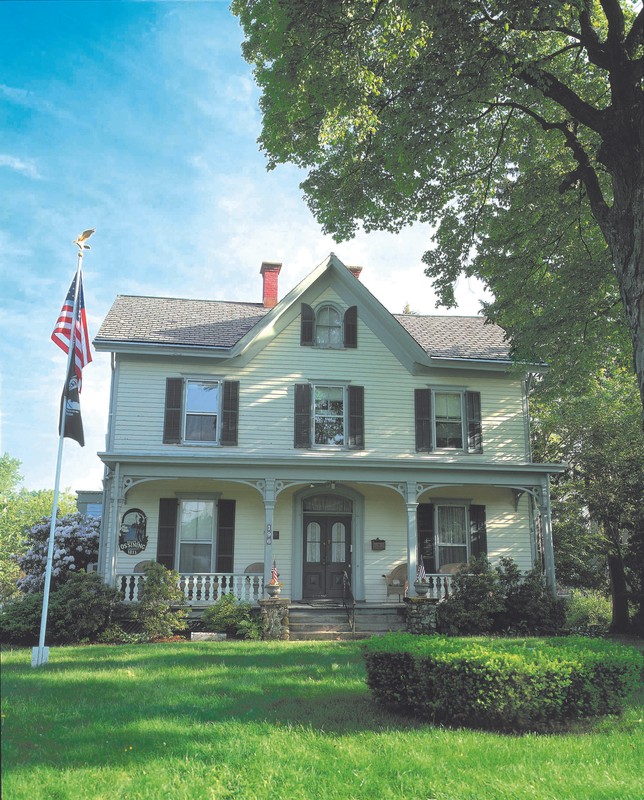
598,434
482,117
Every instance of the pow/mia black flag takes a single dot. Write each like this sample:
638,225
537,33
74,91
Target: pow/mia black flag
70,408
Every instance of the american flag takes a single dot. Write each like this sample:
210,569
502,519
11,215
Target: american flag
274,574
421,575
62,332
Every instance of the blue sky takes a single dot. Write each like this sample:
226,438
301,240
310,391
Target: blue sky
141,119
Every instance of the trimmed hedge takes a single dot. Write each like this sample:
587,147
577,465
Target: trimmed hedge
502,684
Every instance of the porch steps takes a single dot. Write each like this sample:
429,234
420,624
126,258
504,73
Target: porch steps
330,623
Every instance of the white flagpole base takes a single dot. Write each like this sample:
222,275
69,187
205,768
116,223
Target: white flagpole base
39,656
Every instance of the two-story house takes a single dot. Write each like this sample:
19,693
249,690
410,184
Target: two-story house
319,433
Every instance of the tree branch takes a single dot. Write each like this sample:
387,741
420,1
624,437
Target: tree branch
563,95
615,17
635,35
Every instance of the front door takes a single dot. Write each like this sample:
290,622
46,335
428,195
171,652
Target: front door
327,555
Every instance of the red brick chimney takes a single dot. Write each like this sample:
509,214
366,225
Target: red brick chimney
356,271
269,271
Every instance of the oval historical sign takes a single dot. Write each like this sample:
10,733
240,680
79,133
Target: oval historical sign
133,538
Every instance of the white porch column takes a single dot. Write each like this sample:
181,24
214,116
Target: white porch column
546,532
412,534
269,508
112,528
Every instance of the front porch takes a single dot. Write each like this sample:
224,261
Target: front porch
203,589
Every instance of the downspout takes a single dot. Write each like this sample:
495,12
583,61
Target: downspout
527,387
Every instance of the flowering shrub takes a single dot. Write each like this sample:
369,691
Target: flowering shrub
75,546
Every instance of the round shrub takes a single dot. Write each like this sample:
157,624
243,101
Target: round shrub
502,684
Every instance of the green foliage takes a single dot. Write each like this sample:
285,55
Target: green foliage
20,509
598,432
160,611
474,602
528,604
509,127
588,613
79,609
501,684
501,600
232,617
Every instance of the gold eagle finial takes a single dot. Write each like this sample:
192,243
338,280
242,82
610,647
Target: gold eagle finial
83,237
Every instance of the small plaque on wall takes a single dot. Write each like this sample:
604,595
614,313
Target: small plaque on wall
378,544
133,538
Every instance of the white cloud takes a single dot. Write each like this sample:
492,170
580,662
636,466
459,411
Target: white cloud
26,167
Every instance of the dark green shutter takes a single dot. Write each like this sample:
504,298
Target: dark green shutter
356,417
474,427
225,536
173,410
307,325
302,416
478,531
423,419
425,529
230,413
351,327
167,534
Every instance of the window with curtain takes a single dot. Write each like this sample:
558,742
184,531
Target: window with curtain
451,537
328,327
196,535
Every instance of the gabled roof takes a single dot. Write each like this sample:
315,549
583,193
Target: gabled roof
231,329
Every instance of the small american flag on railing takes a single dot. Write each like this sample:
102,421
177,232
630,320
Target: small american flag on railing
421,575
274,574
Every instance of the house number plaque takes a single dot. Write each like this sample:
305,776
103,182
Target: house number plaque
133,537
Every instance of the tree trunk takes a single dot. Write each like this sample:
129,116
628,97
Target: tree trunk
621,622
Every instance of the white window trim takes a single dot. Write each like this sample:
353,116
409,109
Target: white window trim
200,498
345,418
450,390
465,505
201,379
316,311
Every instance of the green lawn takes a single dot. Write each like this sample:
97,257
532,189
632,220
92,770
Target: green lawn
271,720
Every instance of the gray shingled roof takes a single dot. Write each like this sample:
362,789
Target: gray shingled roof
457,337
169,320
213,323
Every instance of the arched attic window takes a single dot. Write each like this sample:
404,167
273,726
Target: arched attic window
328,327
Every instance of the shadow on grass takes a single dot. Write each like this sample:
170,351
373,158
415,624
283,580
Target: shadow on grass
104,706
101,706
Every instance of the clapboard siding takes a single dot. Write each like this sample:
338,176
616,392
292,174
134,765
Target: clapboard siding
385,517
266,399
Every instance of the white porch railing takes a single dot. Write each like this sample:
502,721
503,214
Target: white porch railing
439,587
200,589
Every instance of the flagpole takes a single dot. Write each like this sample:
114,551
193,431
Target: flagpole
40,654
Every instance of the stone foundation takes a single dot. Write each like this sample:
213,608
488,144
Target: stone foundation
420,615
275,622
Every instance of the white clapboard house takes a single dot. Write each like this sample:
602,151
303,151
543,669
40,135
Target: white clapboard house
318,433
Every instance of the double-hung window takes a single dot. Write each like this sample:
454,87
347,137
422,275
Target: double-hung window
196,535
328,418
450,533
329,415
448,419
201,411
